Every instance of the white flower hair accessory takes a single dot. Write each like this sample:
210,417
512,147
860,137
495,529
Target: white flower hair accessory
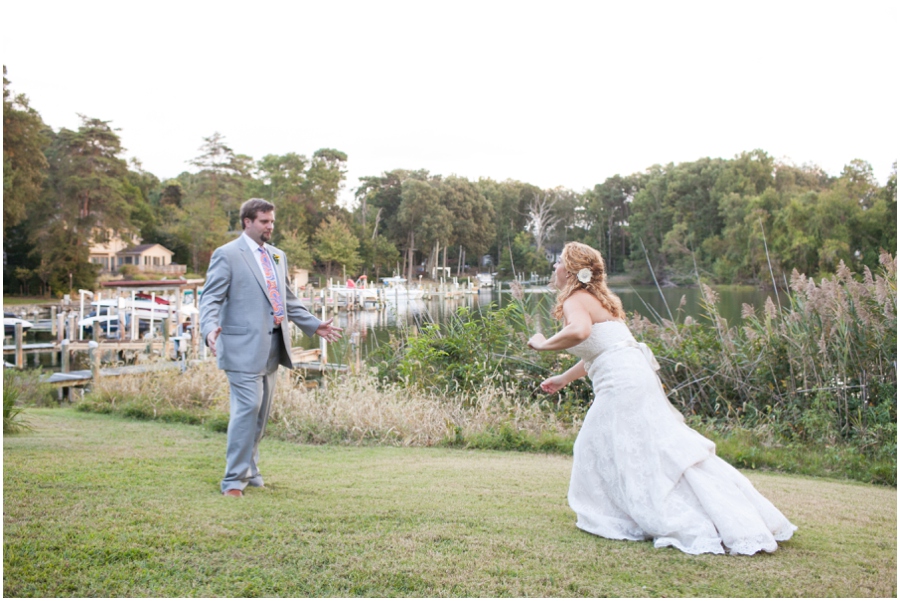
584,276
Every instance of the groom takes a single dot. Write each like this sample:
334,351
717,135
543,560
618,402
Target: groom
244,304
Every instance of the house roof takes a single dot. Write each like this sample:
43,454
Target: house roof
141,248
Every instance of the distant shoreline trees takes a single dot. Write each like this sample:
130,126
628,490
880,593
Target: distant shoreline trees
739,220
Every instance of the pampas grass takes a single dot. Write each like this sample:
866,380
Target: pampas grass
823,368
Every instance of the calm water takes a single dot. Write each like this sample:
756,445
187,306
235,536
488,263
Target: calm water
372,328
376,327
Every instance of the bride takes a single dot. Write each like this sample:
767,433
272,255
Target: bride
639,472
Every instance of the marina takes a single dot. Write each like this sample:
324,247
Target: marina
371,316
130,327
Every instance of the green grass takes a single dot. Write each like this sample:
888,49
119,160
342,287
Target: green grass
97,505
743,448
9,301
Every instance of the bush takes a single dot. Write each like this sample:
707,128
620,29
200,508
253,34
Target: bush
13,420
477,348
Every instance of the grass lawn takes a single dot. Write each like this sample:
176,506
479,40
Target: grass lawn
97,505
27,300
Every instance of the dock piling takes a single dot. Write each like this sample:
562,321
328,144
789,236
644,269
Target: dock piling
20,340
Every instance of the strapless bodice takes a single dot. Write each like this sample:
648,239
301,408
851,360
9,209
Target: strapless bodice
607,337
604,335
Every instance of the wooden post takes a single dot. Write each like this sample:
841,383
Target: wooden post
64,356
323,344
60,326
53,329
178,307
195,336
165,323
120,310
152,312
64,352
196,343
96,330
73,330
20,352
94,352
134,320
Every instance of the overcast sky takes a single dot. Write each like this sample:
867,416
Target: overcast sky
551,93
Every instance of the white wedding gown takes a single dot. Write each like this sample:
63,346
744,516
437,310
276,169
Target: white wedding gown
640,473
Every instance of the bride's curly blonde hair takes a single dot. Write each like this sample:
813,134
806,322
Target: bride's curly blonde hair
575,258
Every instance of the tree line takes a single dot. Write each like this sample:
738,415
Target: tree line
749,219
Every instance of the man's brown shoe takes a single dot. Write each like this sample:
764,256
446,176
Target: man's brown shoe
233,492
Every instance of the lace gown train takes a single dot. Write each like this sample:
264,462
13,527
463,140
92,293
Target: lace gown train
639,472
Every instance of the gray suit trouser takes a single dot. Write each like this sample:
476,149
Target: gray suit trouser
251,401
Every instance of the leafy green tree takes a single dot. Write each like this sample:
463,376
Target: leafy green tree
88,193
610,204
24,164
212,199
510,200
521,256
573,220
89,177
324,180
884,214
793,180
281,179
335,243
651,217
167,205
473,226
222,177
379,254
296,247
424,218
380,199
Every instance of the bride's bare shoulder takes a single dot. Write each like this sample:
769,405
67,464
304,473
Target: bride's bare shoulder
583,298
585,301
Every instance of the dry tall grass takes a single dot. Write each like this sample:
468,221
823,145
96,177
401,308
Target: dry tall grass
824,366
349,409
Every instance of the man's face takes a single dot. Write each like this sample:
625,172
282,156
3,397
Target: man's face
260,229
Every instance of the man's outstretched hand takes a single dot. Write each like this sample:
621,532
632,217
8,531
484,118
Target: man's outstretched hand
211,340
328,331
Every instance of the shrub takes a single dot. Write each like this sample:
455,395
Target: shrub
13,419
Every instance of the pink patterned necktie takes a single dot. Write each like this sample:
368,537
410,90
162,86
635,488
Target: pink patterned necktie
272,286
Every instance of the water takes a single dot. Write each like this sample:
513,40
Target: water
374,328
377,327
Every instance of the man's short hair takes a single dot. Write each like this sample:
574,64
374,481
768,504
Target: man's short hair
254,206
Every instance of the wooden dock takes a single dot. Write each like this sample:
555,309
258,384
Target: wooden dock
303,359
84,376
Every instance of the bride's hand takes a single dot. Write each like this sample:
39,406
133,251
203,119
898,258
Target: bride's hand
536,341
553,384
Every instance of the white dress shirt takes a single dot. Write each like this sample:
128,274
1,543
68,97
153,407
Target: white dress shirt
254,247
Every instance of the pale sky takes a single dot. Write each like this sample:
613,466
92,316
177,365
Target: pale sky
551,93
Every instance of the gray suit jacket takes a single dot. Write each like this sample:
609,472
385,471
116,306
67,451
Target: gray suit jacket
234,297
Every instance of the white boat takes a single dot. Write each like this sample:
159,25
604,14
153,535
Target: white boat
484,279
395,289
106,312
10,321
144,308
362,296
